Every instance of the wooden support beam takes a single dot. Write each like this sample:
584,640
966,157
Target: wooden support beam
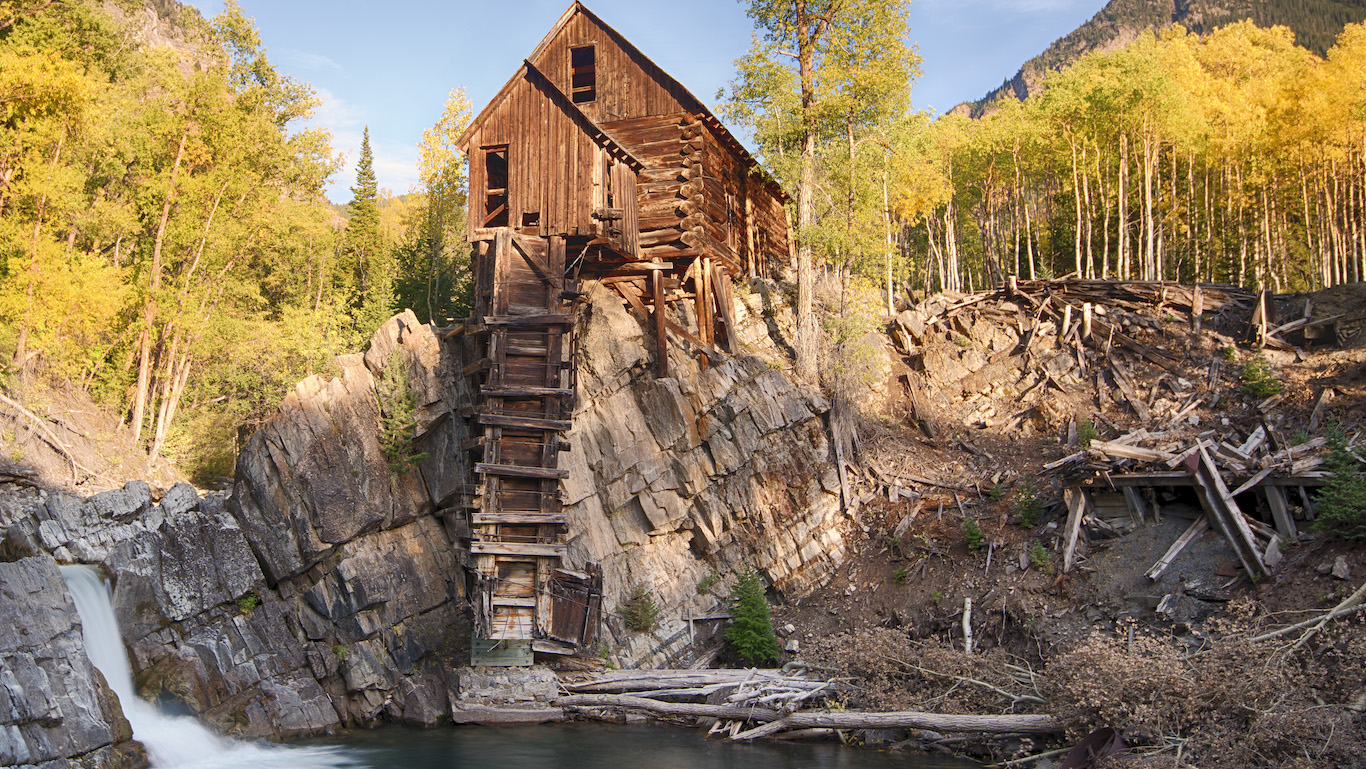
1224,511
502,420
528,321
526,392
1195,530
518,471
661,338
519,519
519,548
1076,510
1280,512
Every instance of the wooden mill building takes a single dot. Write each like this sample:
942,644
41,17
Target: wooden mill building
591,164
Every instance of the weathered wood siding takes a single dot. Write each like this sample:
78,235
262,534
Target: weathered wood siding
555,168
628,86
744,213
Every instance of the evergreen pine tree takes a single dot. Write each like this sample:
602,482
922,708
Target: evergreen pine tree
365,248
1342,502
750,634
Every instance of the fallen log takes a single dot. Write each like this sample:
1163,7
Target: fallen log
909,719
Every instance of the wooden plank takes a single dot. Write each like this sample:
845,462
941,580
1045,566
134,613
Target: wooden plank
517,471
529,321
1224,511
519,519
1280,512
526,392
503,420
1135,502
727,304
528,603
1076,510
661,326
1194,530
519,549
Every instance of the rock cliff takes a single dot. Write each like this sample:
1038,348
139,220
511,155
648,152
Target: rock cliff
56,711
328,591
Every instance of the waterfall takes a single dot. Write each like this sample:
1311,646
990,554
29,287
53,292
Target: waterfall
174,742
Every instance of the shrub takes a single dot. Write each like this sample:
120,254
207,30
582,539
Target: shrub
1038,555
1087,432
1342,501
248,602
901,576
750,634
972,534
1026,504
996,493
640,613
1258,379
705,584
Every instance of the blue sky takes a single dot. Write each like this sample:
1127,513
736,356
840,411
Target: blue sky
390,64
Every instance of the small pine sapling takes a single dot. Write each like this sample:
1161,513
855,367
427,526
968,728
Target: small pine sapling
640,613
972,534
750,634
397,416
1342,501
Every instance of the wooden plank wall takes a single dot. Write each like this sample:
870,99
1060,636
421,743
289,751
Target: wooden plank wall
625,86
755,223
552,164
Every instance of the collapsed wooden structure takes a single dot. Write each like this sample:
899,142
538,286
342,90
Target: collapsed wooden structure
1246,476
591,164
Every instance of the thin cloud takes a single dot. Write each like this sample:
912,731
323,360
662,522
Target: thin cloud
295,59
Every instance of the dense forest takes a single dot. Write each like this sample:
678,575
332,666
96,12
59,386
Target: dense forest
1236,157
165,245
1316,24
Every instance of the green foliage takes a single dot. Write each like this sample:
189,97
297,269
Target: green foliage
639,613
1342,500
398,416
1039,556
750,634
1228,353
341,651
901,576
1027,505
996,493
1259,380
972,534
248,601
1086,432
705,584
936,596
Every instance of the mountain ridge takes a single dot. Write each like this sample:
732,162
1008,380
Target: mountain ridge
1316,24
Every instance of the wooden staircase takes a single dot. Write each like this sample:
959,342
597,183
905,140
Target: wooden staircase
522,366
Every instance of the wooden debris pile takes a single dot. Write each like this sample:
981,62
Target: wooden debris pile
755,703
1141,379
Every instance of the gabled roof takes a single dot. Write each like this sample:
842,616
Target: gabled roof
690,103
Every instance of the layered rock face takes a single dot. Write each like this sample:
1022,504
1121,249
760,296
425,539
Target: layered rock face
679,480
328,591
56,711
323,593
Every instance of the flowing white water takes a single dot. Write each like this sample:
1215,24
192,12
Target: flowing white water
174,742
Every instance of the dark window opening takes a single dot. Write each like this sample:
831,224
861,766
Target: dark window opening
496,186
531,219
583,76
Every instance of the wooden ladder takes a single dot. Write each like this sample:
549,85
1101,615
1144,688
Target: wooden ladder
524,375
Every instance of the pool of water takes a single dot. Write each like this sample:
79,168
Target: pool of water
601,746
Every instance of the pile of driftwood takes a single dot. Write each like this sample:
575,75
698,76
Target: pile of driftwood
750,704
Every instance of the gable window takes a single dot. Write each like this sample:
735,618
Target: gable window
496,186
583,75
